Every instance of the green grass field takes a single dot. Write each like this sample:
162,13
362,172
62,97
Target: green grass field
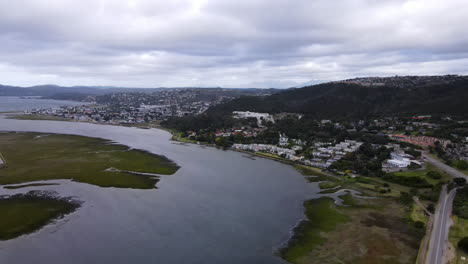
417,214
24,214
367,185
38,117
458,230
14,187
321,217
34,156
364,231
423,174
315,174
178,137
328,185
268,155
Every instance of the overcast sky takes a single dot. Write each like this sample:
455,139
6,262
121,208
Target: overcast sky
229,43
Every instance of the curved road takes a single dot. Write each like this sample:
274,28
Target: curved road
455,173
439,236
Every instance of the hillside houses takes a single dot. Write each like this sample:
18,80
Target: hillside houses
420,140
261,117
272,149
324,157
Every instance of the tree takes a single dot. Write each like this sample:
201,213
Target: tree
405,198
222,142
462,165
431,208
413,166
413,152
463,244
434,175
419,224
460,181
367,150
439,149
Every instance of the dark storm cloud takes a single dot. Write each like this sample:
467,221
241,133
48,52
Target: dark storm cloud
240,43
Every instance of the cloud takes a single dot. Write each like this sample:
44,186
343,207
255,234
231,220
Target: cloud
229,43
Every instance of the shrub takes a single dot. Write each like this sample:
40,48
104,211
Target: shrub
405,198
460,204
431,208
463,244
414,166
432,196
460,181
416,182
434,175
419,224
462,165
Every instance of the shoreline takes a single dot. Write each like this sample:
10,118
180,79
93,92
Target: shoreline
311,172
47,208
140,169
346,202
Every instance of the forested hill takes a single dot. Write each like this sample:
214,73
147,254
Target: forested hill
351,100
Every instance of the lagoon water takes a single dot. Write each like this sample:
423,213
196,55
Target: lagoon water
13,103
220,207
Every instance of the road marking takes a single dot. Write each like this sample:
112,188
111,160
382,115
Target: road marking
440,229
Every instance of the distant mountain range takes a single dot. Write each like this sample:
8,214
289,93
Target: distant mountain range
79,93
50,89
364,97
353,98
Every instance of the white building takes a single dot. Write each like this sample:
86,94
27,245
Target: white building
261,117
399,160
283,140
399,163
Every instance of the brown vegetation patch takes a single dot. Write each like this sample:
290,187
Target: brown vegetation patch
378,232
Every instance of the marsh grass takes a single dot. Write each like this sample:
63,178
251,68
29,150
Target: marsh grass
34,156
26,213
14,187
321,216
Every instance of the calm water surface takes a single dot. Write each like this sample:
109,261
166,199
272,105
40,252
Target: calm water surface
12,103
220,207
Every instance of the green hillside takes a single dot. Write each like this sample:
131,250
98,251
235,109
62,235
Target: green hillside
337,100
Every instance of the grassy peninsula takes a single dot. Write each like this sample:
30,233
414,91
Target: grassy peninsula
26,213
34,156
385,229
37,117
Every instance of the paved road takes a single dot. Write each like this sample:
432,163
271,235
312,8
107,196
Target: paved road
445,167
439,236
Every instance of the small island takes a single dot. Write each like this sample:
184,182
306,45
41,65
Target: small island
26,213
28,158
31,157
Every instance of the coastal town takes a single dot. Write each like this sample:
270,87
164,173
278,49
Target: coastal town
407,159
138,108
234,132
